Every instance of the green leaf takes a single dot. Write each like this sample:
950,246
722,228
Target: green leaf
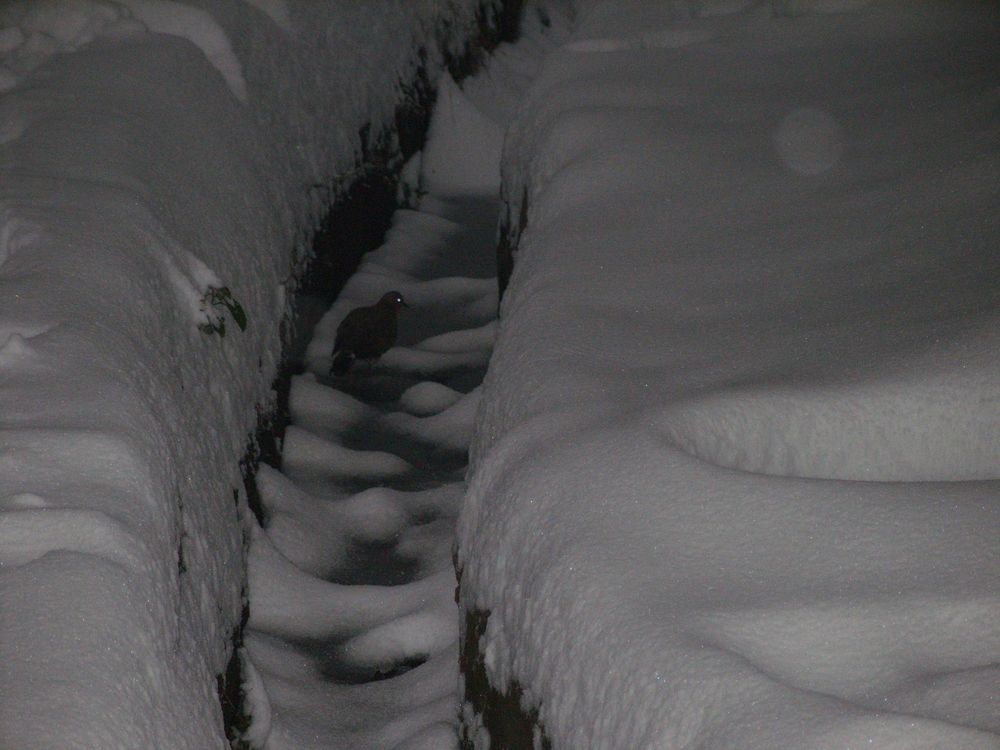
236,310
221,297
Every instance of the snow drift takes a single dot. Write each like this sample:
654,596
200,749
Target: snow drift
163,166
734,478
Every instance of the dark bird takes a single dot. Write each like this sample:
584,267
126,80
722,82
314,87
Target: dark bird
366,332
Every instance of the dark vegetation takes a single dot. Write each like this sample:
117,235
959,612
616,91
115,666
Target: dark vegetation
230,687
511,726
510,235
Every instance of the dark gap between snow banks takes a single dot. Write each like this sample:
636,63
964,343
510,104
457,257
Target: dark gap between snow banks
503,714
355,224
511,726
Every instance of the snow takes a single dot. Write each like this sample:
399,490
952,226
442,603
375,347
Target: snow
329,610
198,27
34,31
463,145
164,165
277,10
737,430
353,623
428,398
733,480
451,428
257,703
314,453
420,718
312,404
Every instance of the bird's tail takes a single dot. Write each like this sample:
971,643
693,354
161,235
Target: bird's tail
341,363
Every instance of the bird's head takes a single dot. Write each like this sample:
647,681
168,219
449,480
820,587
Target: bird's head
393,299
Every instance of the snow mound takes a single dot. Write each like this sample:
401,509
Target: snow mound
140,325
31,32
419,361
310,454
463,151
277,10
461,341
198,27
325,610
451,428
321,409
316,535
427,398
917,426
739,428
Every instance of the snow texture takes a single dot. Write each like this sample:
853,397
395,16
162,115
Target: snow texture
734,475
163,166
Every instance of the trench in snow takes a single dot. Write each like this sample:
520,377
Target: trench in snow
353,625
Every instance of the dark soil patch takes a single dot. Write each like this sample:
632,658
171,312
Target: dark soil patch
503,714
232,697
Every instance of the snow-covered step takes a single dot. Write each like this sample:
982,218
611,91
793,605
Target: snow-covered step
412,710
296,605
333,415
428,398
310,458
321,409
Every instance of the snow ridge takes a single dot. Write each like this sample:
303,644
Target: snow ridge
159,163
734,476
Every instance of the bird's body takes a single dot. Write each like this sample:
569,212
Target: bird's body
366,333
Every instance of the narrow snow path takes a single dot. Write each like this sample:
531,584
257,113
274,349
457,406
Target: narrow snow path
352,640
354,628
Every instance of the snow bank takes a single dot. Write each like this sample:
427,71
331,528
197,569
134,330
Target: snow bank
734,479
163,165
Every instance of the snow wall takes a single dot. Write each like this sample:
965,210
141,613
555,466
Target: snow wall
163,166
734,478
